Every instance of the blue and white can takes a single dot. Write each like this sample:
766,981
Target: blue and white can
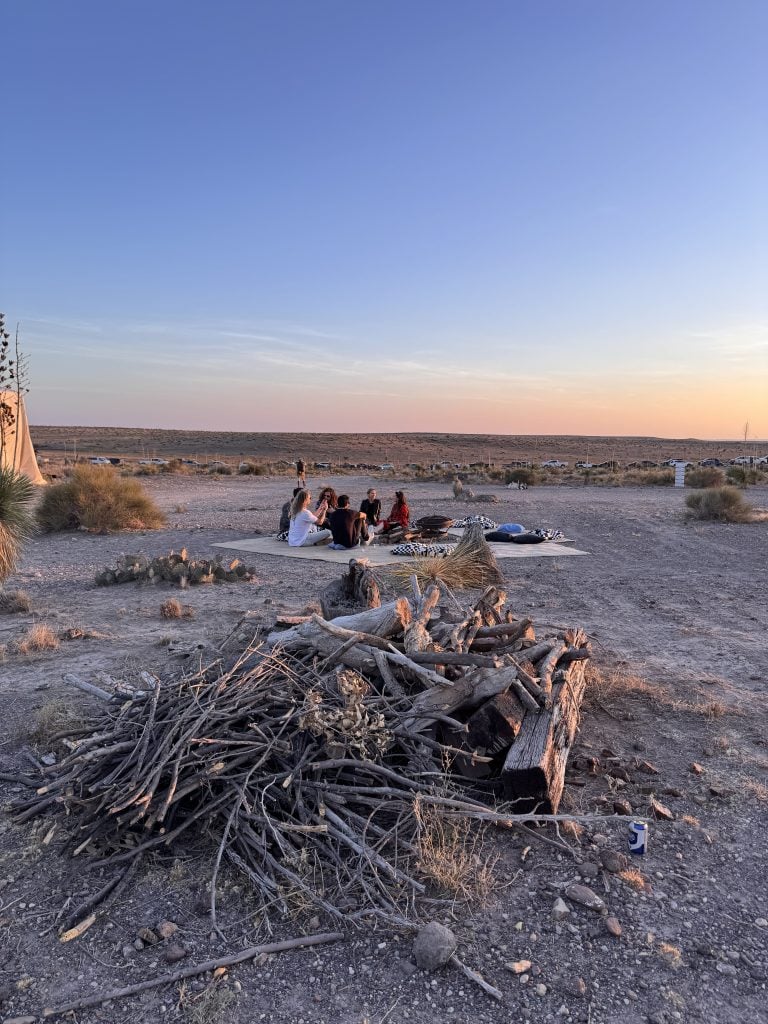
638,838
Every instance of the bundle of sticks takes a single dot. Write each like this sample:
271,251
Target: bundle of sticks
308,758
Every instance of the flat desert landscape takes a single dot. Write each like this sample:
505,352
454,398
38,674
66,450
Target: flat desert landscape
677,615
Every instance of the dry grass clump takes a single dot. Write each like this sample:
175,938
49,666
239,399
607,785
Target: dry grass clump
613,685
649,477
722,504
250,469
51,720
173,609
705,476
448,854
12,601
37,638
471,564
221,470
634,878
95,498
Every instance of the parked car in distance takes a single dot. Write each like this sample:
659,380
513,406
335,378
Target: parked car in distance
584,465
710,462
99,460
153,462
554,464
387,465
190,462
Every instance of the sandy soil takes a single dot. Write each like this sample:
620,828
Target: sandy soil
679,616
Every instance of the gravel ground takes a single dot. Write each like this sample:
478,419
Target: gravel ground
678,614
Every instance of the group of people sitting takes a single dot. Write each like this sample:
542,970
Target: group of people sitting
333,522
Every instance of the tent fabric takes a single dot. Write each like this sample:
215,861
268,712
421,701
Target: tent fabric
16,451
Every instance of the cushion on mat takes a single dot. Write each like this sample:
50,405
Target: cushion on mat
512,528
526,538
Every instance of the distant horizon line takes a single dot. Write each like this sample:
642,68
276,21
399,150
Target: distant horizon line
401,433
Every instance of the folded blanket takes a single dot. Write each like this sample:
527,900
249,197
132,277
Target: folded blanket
549,534
484,521
417,548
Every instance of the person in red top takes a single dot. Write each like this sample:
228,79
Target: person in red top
398,516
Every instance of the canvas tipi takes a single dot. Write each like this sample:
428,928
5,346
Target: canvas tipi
16,450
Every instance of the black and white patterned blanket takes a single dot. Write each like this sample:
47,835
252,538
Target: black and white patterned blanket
417,548
484,521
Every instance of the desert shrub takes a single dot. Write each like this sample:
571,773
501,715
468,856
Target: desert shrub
174,466
743,475
97,499
12,601
149,470
705,476
173,609
664,477
521,476
221,470
251,469
17,518
724,504
37,638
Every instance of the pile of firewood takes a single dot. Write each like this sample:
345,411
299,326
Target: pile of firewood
176,567
310,759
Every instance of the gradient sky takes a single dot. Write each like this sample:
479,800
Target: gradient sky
515,216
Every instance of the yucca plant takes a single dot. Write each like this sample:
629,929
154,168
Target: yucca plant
17,518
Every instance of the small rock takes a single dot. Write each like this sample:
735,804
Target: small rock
128,951
138,944
148,937
647,767
761,922
541,989
589,870
314,924
434,946
586,897
519,966
408,967
174,953
727,969
622,807
612,926
166,929
696,768
560,910
613,861
619,772
660,810
20,1020
600,839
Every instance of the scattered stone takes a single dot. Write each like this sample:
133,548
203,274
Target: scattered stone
727,969
589,870
20,1020
314,924
622,807
660,810
613,861
148,937
166,929
408,967
174,953
647,767
600,839
434,946
612,926
560,910
128,951
586,897
541,989
761,922
672,791
571,985
619,772
138,945
519,966
696,768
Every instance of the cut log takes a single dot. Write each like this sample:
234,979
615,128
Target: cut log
494,726
468,692
534,770
416,636
358,588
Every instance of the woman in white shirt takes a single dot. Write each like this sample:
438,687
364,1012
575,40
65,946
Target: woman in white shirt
305,528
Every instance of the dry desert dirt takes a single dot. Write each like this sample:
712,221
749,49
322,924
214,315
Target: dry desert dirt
678,616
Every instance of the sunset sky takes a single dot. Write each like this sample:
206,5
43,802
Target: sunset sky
515,216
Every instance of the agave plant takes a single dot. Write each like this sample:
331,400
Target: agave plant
17,519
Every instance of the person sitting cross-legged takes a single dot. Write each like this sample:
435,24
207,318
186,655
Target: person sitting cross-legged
349,528
306,527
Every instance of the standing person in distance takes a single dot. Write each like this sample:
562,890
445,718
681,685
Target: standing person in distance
301,480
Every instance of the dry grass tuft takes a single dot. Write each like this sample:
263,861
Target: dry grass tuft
13,601
209,1007
51,719
689,819
705,476
721,504
671,954
173,609
449,855
180,508
97,499
37,638
634,878
470,565
613,685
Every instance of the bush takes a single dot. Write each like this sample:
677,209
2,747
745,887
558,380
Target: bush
15,601
724,504
95,498
17,518
221,470
743,475
521,476
705,476
250,469
649,477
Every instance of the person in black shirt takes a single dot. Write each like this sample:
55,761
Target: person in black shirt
301,479
372,508
347,526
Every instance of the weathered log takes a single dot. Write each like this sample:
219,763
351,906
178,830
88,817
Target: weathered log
495,724
455,658
416,636
385,621
534,770
547,666
358,588
468,692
